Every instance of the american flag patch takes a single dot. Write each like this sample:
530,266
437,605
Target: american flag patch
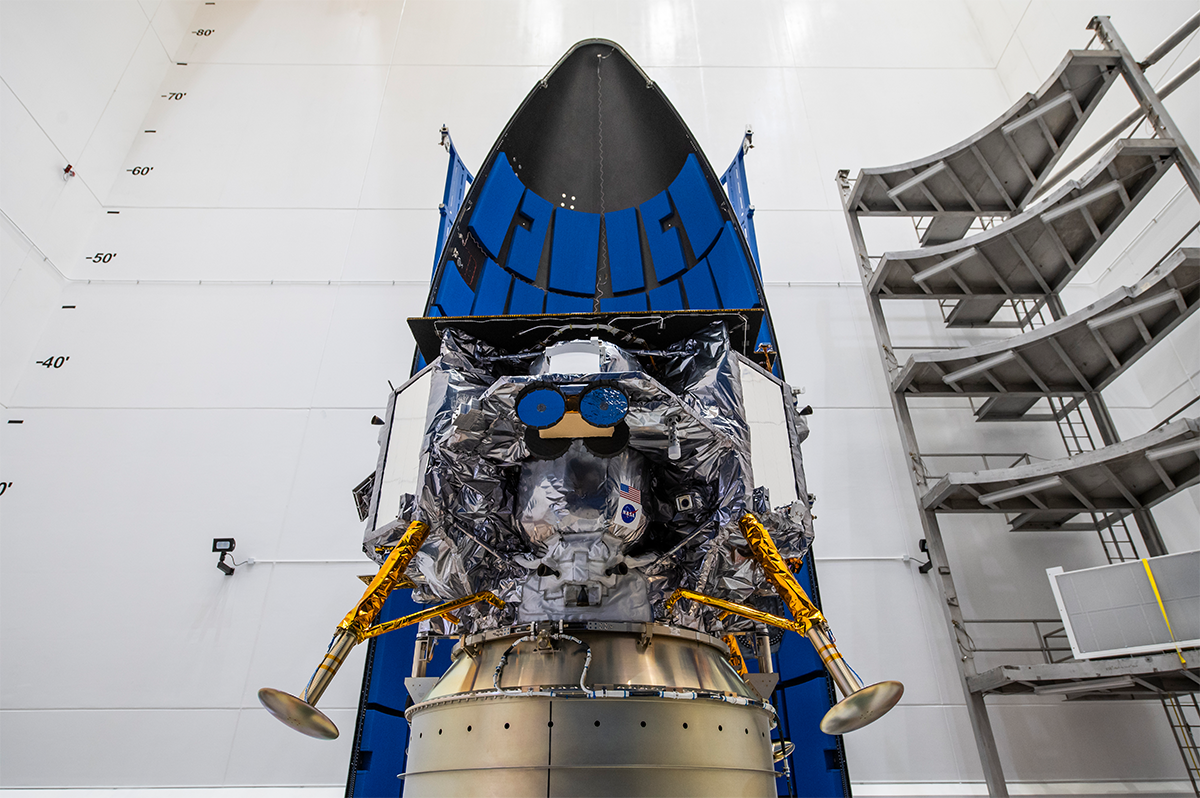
633,494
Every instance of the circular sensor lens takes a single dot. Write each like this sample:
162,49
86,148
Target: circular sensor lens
603,406
541,406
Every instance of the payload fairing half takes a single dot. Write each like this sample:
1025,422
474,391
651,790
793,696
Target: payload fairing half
596,479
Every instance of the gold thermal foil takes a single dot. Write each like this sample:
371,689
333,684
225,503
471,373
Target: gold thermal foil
735,655
390,576
433,612
762,548
732,608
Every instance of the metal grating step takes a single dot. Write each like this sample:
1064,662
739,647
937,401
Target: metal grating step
997,170
1109,483
1034,254
1145,677
1080,353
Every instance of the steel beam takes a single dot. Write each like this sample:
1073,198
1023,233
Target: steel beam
1156,112
1147,526
1172,41
981,725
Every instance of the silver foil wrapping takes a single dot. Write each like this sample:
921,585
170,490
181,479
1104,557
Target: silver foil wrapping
618,533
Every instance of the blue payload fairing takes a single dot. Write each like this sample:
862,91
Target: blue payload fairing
593,486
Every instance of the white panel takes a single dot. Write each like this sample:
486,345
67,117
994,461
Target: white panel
855,467
563,361
402,466
380,238
300,31
1156,374
744,34
218,244
172,21
544,29
1048,29
29,302
407,169
1016,71
138,497
820,235
655,33
341,446
165,631
265,751
176,346
773,103
368,345
64,59
936,34
256,136
770,442
899,747
1116,611
889,111
107,747
827,345
1183,340
55,213
299,614
121,122
13,249
873,607
1176,518
996,22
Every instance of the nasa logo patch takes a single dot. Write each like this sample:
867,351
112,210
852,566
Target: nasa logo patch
628,513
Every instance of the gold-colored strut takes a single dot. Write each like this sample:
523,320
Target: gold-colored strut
860,705
359,625
735,655
389,577
433,612
732,608
762,548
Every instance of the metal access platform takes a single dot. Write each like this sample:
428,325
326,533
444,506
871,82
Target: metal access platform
1031,231
997,170
1145,677
1078,354
1114,481
1034,253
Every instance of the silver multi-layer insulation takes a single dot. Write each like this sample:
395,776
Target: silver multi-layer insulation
589,534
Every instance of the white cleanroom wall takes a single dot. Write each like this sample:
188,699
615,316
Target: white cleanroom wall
226,362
